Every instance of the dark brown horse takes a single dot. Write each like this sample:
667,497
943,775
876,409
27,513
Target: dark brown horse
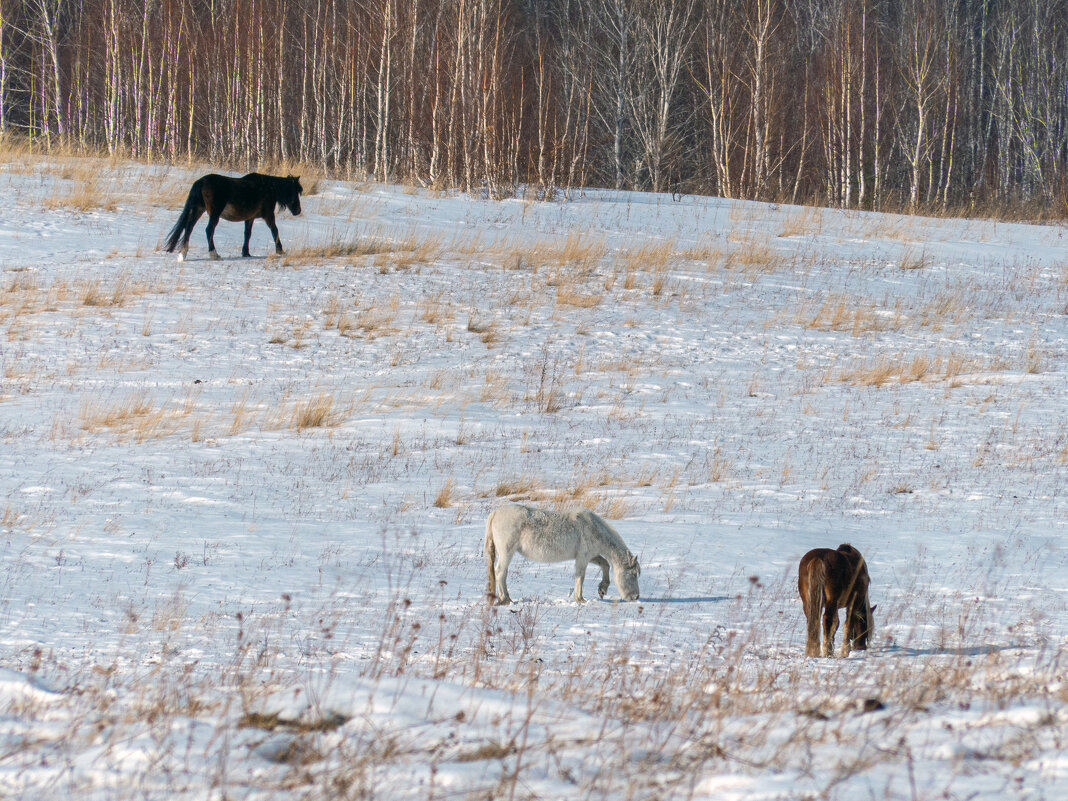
235,200
828,581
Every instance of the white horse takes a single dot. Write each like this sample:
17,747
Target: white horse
556,537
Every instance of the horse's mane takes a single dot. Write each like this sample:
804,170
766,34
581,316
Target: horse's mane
285,188
612,537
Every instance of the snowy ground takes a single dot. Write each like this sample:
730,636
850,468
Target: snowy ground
243,501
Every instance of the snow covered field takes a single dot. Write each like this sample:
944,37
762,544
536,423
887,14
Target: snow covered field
243,501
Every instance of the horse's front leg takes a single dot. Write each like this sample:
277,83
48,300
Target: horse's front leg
601,562
850,632
830,626
248,236
274,232
580,576
213,220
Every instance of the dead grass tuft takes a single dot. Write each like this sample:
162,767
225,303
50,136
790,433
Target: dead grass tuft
443,499
839,312
907,368
382,247
93,293
318,411
517,487
566,296
137,416
489,333
911,260
83,190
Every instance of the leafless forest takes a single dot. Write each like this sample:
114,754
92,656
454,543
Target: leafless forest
921,104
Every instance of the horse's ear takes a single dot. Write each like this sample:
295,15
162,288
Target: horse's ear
873,607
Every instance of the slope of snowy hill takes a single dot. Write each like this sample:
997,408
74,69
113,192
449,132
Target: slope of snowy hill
243,501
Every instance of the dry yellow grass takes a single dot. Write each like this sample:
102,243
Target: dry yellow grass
83,193
384,247
443,499
135,417
318,411
375,322
612,508
568,296
907,368
517,487
368,244
910,260
495,389
488,332
579,252
660,281
752,256
840,312
950,306
650,255
801,221
22,295
720,468
436,311
93,293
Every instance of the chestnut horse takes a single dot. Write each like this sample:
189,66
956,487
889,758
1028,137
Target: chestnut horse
235,200
828,581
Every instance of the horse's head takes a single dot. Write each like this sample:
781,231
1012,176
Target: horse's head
291,197
861,625
627,578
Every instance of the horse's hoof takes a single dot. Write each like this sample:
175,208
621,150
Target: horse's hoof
213,255
181,257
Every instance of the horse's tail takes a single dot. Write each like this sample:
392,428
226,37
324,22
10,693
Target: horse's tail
491,557
813,601
184,220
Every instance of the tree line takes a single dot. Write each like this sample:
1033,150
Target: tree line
920,104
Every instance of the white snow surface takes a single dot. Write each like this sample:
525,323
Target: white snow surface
207,593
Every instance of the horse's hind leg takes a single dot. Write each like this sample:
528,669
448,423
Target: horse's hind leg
830,626
248,236
187,232
601,562
500,570
213,220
